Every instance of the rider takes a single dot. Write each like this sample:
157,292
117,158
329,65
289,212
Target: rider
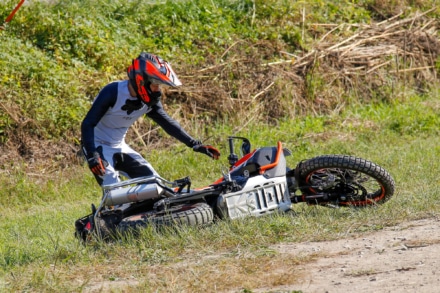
117,106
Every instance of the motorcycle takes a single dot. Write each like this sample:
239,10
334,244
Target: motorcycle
258,183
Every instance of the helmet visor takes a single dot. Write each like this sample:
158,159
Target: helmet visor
162,74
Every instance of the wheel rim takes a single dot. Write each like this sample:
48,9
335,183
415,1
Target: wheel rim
351,187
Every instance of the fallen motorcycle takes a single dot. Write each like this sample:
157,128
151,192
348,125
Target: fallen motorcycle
258,183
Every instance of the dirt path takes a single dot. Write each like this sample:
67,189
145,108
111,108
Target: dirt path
404,258
400,259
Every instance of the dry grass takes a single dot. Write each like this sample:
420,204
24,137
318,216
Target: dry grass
345,59
194,272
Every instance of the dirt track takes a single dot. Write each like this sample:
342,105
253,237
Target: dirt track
404,258
400,259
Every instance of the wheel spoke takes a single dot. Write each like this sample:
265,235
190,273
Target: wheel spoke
345,180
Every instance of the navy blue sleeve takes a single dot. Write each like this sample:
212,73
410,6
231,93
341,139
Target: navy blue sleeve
105,100
171,126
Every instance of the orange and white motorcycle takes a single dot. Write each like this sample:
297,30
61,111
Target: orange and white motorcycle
258,183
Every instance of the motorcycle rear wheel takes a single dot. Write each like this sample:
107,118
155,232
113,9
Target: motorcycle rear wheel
192,214
341,180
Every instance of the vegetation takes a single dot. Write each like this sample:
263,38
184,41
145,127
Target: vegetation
55,56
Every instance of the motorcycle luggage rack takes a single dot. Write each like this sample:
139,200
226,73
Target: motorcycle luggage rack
181,183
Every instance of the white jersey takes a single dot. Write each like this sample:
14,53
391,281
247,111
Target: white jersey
113,126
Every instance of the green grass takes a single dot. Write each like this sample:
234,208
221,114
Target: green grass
55,57
38,251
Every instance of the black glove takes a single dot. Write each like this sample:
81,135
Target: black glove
207,150
97,164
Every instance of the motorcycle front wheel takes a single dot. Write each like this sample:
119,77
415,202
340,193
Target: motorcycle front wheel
192,214
341,180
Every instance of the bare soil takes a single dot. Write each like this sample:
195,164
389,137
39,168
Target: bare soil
403,258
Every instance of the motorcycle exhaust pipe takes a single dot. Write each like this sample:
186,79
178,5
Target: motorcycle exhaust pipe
133,194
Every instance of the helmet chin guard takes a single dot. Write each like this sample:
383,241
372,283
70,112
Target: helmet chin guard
149,69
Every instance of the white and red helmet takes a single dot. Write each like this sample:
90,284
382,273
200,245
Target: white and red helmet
150,69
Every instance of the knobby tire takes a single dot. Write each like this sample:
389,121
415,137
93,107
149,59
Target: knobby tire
357,172
192,214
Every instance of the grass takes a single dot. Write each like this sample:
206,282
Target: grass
38,252
71,48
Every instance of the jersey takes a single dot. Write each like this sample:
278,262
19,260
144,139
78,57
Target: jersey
112,113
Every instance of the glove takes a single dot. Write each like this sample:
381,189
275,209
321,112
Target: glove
97,165
207,150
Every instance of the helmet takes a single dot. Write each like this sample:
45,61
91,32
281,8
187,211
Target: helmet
149,69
